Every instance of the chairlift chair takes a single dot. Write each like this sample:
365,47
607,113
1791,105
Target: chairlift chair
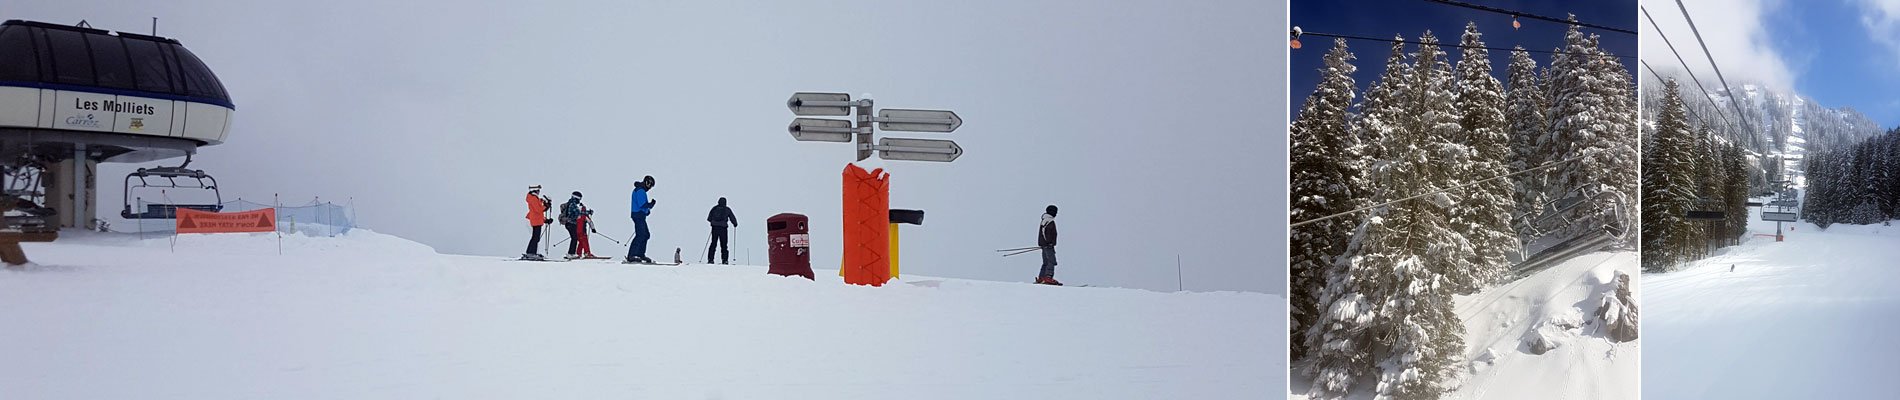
146,176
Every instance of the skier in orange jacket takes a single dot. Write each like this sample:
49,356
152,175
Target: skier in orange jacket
537,216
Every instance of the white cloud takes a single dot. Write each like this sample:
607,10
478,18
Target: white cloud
1736,35
1882,20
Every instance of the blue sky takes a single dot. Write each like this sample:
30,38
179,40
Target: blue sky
1835,58
1413,17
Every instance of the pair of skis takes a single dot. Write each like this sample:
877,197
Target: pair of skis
593,258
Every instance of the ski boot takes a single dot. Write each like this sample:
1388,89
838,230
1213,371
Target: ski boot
1044,280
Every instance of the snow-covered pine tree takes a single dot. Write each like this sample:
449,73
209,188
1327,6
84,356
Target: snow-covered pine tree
1592,117
1872,171
1524,104
1735,194
1416,250
1812,199
1484,217
1325,181
1383,109
1341,342
1708,178
1617,157
1667,185
1889,185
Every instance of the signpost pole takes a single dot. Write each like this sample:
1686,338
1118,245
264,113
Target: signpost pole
865,128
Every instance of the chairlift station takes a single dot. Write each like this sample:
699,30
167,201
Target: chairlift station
72,97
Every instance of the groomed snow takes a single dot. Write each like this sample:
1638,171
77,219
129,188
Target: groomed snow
1811,317
367,315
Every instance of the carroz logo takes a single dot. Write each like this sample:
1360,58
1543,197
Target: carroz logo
137,124
86,121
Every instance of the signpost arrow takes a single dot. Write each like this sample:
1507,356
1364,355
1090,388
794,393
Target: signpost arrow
918,150
897,119
820,104
820,130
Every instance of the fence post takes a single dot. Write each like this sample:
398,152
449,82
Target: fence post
168,200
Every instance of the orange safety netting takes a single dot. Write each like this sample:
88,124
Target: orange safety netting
867,224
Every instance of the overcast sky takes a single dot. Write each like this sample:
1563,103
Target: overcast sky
1158,126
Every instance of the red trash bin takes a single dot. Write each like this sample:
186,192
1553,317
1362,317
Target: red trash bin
788,242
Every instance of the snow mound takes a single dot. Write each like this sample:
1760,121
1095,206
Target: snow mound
1545,334
367,315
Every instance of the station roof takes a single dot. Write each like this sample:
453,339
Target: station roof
62,57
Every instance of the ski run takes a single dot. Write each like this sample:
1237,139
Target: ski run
367,315
1809,317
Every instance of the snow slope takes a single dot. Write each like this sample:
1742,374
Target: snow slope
1811,317
367,315
1585,365
1561,304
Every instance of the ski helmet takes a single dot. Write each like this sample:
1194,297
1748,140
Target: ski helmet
1051,210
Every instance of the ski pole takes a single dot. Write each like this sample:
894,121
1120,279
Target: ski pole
1022,252
610,238
1016,249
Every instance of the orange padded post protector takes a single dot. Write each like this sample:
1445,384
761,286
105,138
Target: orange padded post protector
867,223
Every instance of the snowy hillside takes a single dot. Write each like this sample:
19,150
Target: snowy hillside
367,315
1557,305
1775,124
1807,318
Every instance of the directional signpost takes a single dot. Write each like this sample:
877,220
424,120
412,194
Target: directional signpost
864,126
860,185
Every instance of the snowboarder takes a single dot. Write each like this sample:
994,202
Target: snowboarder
719,216
571,213
642,206
1046,239
537,217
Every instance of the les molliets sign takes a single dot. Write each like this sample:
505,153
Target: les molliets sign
112,113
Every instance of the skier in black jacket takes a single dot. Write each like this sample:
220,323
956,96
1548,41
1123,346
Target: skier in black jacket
1046,239
719,216
571,219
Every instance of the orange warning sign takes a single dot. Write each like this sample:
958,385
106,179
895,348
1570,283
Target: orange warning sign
194,221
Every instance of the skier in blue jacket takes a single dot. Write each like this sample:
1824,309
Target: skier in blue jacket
642,206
